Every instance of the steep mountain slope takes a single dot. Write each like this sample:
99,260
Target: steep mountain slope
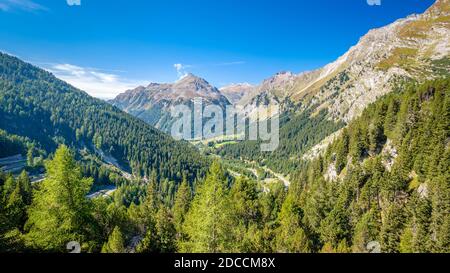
272,91
413,48
153,103
317,104
36,105
386,178
278,85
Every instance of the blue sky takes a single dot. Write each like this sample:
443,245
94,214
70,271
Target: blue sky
107,46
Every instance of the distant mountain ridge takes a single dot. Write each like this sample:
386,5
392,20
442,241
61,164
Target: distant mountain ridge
316,105
235,92
416,48
153,103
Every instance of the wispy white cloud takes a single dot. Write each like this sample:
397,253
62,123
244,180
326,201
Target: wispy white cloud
230,63
97,83
74,2
26,5
182,70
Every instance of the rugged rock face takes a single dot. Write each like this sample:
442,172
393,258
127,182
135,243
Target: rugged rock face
153,103
413,48
273,91
236,92
279,85
416,48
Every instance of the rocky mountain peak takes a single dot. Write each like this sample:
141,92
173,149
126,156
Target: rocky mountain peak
151,85
194,83
235,92
153,103
416,47
279,80
190,78
440,7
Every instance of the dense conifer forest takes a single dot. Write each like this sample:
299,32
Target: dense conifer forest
40,112
384,179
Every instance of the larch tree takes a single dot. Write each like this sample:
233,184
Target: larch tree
207,223
181,207
59,211
290,235
116,242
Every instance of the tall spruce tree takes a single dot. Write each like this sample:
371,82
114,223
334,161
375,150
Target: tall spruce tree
165,231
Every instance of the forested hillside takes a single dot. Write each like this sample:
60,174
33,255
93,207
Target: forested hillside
298,134
320,102
48,112
385,180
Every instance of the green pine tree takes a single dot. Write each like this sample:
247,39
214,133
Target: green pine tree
165,231
392,228
407,241
116,242
181,207
366,231
207,223
60,208
290,235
